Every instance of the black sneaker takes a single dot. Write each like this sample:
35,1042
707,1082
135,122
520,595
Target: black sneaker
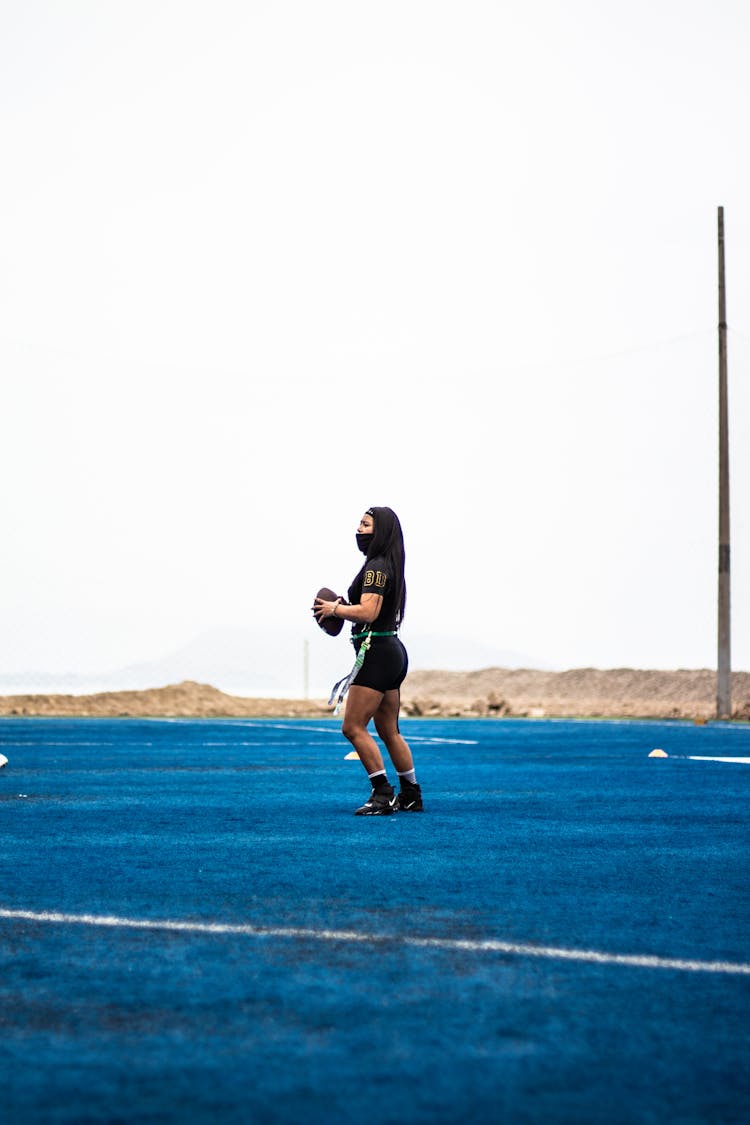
409,799
379,804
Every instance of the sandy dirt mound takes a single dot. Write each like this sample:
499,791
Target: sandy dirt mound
616,693
188,699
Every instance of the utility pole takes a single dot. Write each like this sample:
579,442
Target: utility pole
723,676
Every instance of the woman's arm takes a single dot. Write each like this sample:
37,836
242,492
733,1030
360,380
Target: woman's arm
364,613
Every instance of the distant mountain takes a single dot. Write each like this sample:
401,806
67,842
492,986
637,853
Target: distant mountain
264,662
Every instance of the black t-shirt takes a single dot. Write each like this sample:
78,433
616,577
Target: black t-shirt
375,577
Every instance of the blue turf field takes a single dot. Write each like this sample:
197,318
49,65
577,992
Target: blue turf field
195,928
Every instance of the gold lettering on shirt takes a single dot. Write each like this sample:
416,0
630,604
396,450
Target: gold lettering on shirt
376,578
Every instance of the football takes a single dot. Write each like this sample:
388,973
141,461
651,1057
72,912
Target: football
330,625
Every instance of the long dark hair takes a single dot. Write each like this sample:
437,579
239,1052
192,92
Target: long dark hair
388,543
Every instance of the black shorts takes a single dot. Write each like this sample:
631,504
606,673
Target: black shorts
385,667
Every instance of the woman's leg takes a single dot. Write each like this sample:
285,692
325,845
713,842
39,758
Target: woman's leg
361,705
409,798
386,724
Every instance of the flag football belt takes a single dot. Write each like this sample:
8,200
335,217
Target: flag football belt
338,694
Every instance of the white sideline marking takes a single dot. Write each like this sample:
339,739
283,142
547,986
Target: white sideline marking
452,741
334,729
634,960
697,758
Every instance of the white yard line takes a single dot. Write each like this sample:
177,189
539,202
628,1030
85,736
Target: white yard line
490,945
700,758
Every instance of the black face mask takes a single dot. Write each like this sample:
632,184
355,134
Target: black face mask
364,539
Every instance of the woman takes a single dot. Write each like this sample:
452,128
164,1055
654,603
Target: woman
376,601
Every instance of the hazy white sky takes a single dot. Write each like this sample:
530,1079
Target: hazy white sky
267,263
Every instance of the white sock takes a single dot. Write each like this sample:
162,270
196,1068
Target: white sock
409,776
